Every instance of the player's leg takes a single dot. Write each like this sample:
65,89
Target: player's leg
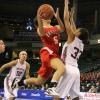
8,93
75,90
50,62
58,66
65,84
41,73
11,98
35,81
0,98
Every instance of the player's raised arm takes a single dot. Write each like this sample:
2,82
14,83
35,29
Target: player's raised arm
40,28
60,23
72,22
8,65
69,30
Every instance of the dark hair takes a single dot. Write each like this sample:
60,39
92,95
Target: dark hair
84,35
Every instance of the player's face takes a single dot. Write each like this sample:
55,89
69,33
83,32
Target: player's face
23,55
2,46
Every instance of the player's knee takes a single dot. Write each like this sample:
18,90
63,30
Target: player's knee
61,67
63,70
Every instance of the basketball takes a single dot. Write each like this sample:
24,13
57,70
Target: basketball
46,11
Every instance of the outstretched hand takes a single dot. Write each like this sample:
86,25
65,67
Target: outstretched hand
57,13
72,12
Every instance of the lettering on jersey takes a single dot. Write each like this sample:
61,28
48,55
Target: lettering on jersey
49,33
20,69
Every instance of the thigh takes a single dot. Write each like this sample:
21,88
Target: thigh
56,63
7,90
46,69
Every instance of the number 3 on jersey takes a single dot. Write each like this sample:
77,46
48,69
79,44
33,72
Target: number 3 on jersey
76,54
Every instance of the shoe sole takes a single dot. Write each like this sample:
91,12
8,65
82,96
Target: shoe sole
56,97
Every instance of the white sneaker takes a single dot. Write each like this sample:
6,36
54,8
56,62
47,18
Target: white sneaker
51,92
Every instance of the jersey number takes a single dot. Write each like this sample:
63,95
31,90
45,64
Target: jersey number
77,51
18,73
55,40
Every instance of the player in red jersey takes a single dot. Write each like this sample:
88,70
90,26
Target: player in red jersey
50,36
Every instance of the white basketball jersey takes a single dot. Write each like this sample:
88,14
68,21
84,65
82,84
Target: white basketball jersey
17,71
71,52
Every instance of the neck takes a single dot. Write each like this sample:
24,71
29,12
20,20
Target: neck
46,25
21,61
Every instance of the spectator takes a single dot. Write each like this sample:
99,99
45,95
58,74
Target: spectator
93,89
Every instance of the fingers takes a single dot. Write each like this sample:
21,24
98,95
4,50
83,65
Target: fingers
73,10
57,10
57,13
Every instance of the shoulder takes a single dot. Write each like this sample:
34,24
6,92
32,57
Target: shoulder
27,65
78,40
41,33
14,61
74,40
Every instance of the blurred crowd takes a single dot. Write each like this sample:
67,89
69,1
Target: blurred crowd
90,82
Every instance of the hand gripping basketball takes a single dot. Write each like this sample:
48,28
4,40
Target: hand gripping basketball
46,11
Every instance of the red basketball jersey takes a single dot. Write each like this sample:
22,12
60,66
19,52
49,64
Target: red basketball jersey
52,38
